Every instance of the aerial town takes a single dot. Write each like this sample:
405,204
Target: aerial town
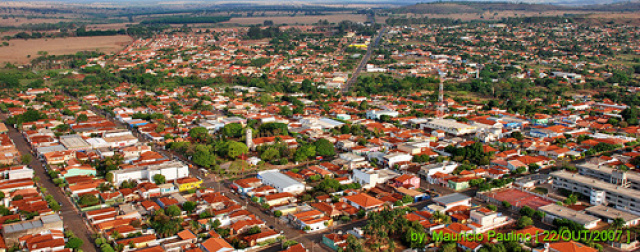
347,137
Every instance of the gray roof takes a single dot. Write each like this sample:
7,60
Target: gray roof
451,198
278,179
47,149
331,122
74,141
611,213
569,214
50,218
31,224
165,165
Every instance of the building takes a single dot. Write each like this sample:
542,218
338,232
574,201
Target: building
171,170
74,142
570,246
599,193
406,180
376,114
609,214
11,232
370,177
554,211
484,220
281,182
452,200
364,201
390,160
188,183
246,185
216,245
427,171
449,126
611,175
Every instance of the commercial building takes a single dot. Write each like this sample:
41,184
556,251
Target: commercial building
452,200
171,170
74,142
11,232
554,211
449,126
376,114
609,214
611,175
281,182
599,192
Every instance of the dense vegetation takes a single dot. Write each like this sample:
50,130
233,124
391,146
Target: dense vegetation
187,20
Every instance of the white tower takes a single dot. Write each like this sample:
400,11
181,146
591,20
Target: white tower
249,138
441,100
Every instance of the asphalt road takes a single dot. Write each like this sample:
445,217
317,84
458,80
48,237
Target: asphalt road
364,61
71,217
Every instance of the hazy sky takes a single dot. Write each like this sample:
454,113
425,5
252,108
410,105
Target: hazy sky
394,2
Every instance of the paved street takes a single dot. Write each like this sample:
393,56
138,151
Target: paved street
71,217
364,61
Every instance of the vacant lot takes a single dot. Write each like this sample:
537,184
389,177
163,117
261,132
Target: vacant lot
18,50
335,18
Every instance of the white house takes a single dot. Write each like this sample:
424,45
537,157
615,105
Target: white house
171,170
376,114
369,177
427,171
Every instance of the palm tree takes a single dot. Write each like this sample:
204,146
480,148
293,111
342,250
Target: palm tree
115,235
618,223
195,226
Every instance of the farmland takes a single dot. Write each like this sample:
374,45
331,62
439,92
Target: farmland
332,18
18,51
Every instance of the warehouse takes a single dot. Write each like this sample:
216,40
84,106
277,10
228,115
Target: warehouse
281,182
449,126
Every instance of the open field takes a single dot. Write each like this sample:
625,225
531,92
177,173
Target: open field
334,18
18,50
20,21
114,26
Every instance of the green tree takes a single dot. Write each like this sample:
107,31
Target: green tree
353,245
159,179
324,148
236,149
26,159
270,154
173,210
74,243
199,134
82,118
88,200
205,159
232,130
618,223
189,206
304,152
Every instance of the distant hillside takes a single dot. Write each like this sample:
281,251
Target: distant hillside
480,7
